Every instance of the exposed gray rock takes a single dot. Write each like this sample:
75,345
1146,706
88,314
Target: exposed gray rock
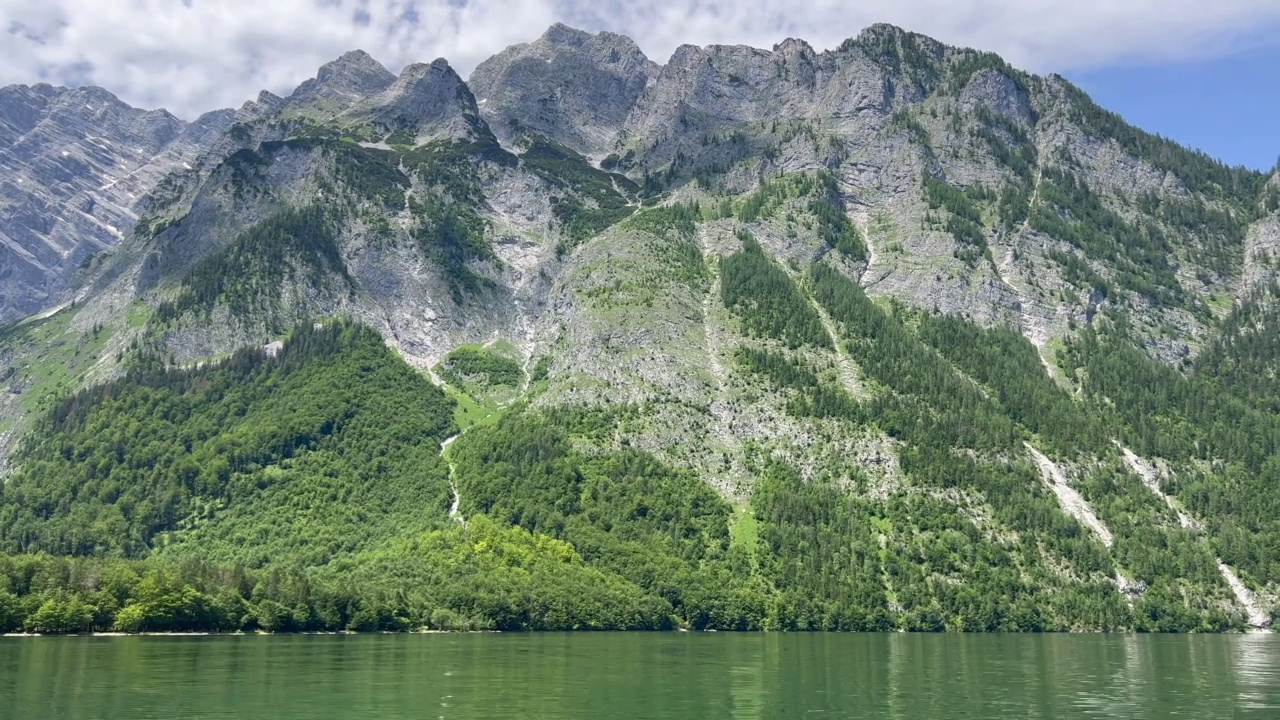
429,101
572,86
998,93
1262,247
74,164
350,78
266,105
708,91
879,113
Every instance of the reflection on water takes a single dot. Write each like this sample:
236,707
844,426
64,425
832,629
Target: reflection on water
716,676
1255,659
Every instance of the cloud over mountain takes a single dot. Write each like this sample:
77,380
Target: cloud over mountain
196,55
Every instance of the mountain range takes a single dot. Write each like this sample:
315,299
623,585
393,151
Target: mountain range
887,336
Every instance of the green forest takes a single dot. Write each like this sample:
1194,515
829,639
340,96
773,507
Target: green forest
305,490
328,444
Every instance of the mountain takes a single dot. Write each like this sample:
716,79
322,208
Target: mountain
569,86
75,164
887,336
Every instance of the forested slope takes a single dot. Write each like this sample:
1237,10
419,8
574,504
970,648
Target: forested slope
887,337
306,490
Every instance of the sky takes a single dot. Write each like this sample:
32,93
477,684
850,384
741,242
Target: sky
1193,70
1227,106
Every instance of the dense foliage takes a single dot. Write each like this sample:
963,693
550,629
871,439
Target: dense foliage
767,300
813,396
247,275
1002,397
932,402
483,576
1070,211
1228,444
481,365
306,491
1003,360
451,233
664,531
674,229
1244,358
330,443
833,224
1008,142
963,220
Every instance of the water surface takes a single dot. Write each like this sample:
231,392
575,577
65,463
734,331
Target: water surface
684,676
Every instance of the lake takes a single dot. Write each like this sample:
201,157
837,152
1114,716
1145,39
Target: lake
670,675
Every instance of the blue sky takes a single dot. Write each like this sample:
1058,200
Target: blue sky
1229,107
1169,66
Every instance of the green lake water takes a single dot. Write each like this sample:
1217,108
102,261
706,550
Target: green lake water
669,675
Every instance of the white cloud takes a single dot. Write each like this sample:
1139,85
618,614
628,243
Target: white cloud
195,55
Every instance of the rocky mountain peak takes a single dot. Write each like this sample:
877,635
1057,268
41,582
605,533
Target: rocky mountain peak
794,47
564,36
98,105
417,73
355,74
211,123
571,85
266,103
561,34
880,31
683,56
427,99
76,163
357,66
735,60
893,46
702,91
21,107
37,90
436,71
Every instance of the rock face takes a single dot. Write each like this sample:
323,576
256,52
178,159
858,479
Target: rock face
1262,248
977,190
350,78
423,95
574,87
951,167
74,164
426,102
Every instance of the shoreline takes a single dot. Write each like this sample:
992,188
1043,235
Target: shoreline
238,633
260,633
